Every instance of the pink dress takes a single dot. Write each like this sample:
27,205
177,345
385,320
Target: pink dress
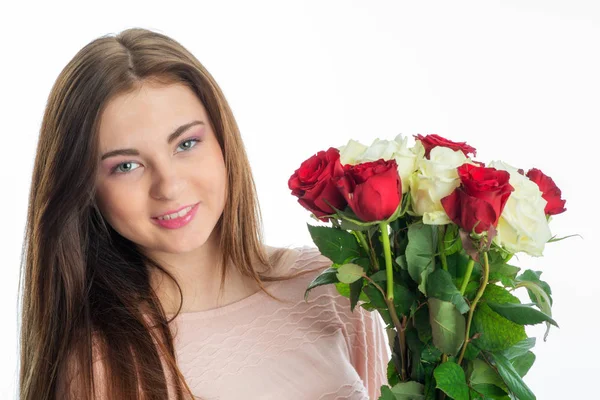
258,348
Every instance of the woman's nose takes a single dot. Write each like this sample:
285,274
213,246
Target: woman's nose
167,182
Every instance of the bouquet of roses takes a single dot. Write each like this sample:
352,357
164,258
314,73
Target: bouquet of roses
424,236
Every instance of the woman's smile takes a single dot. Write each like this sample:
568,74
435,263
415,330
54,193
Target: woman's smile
178,220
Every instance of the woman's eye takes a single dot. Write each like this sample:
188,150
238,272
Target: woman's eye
189,140
117,169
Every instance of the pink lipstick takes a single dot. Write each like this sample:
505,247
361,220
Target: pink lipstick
178,222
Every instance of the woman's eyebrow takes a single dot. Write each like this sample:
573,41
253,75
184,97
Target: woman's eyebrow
134,152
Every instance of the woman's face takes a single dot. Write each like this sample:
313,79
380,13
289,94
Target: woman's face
160,172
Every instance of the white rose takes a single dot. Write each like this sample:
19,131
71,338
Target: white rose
435,179
522,225
397,149
350,153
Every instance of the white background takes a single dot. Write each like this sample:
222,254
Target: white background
518,80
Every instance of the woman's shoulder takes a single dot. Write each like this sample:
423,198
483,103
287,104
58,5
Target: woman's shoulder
298,258
310,257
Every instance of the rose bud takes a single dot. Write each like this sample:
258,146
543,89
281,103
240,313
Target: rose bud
312,183
479,200
372,189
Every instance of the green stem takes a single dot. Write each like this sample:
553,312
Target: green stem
442,247
441,395
365,245
400,327
402,339
482,286
362,240
383,226
374,256
385,238
465,281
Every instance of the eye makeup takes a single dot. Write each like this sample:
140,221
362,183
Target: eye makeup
113,168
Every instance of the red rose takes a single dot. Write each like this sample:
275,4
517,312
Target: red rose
313,183
372,189
550,192
481,197
431,141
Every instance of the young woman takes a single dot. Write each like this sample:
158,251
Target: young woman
145,275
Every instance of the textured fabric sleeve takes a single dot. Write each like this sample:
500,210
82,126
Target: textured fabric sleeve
368,345
365,336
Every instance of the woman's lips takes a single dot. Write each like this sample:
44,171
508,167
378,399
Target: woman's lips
178,222
173,211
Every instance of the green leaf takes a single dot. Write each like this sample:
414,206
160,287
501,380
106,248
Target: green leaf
430,392
368,306
542,301
504,273
412,340
416,348
377,300
498,255
522,314
457,264
534,276
375,296
471,352
431,355
386,393
496,332
421,319
334,243
403,299
471,291
344,290
356,293
519,349
441,286
474,395
392,373
420,252
410,390
447,326
450,378
490,391
507,282
539,292
379,276
401,261
483,374
523,363
326,277
349,273
399,224
452,242
512,378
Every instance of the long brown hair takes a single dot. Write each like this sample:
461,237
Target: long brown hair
86,291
